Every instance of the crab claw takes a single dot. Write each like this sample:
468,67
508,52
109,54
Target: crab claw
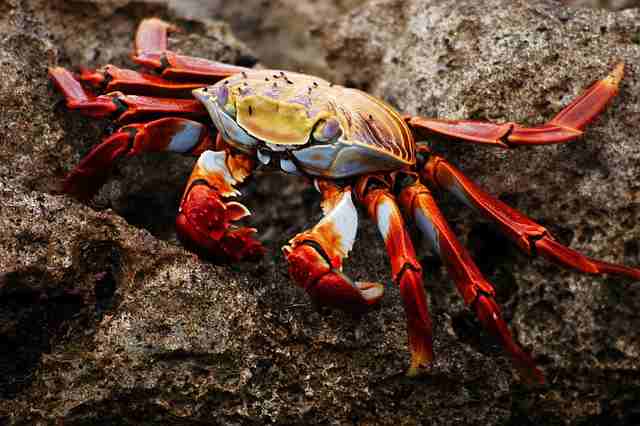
315,256
206,215
311,269
205,223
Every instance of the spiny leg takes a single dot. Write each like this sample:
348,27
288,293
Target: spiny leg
531,237
207,211
166,134
566,126
476,291
117,105
405,268
315,256
150,51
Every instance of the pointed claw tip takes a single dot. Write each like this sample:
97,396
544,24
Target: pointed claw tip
420,363
616,74
236,211
371,292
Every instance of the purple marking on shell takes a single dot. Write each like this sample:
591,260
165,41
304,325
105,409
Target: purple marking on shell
273,92
245,91
303,100
312,112
222,95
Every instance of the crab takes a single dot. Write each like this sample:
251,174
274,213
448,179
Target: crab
354,148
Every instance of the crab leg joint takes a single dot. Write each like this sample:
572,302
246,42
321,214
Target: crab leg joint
356,149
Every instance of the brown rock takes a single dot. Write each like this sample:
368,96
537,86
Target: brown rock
102,321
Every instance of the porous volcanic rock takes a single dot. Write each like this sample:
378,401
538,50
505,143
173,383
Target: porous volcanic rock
104,317
523,61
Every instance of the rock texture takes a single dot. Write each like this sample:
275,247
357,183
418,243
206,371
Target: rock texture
282,31
104,318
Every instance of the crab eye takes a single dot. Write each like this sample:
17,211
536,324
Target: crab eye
327,130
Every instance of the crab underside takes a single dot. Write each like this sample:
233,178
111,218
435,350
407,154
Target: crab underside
158,113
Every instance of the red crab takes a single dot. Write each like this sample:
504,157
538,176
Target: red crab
352,146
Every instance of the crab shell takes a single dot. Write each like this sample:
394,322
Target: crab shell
314,126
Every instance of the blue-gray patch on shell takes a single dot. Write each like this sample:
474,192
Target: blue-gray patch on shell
340,160
289,167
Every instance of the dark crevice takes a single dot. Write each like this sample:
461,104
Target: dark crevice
32,311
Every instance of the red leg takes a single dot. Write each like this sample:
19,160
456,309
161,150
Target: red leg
151,52
531,237
477,292
118,106
207,213
315,256
166,134
405,268
567,125
111,78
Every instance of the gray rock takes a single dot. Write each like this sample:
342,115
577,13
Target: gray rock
105,318
503,61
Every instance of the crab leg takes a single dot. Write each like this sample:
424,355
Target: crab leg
531,237
150,51
166,134
566,126
477,292
207,212
405,268
118,106
315,256
111,78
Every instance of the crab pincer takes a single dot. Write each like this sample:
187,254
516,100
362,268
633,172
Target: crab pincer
207,214
353,146
315,256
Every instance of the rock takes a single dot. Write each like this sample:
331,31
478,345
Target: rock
501,62
104,317
283,31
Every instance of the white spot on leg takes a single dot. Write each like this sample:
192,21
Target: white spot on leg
344,221
425,224
384,212
215,162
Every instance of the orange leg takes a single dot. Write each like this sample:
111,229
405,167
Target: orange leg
207,212
150,51
405,268
111,78
166,134
566,126
315,256
531,237
117,105
477,292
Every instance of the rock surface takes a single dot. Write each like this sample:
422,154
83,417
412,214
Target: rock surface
105,318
